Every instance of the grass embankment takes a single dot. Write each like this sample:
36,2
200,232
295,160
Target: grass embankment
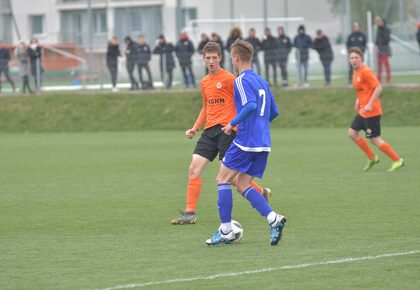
75,112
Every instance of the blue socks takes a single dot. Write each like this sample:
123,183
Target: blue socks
257,201
225,202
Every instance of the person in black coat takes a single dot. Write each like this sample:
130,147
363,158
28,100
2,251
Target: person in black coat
383,37
4,64
184,51
284,46
302,42
144,55
216,38
35,57
234,34
112,54
131,60
256,44
418,33
166,62
323,47
355,39
269,46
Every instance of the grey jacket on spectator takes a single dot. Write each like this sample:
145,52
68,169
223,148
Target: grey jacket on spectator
22,55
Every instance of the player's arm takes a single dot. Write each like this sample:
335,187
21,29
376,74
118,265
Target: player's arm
190,133
274,110
372,81
245,113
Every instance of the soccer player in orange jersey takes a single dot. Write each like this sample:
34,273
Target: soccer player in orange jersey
218,110
369,111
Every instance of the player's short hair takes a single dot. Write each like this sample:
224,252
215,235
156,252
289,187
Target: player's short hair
356,50
243,48
212,47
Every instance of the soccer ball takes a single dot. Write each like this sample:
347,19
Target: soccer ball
237,230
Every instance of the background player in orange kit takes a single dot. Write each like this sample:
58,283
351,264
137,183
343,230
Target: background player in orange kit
368,107
218,110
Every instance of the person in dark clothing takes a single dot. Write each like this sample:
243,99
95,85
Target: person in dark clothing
216,38
131,59
418,34
4,65
284,46
323,47
302,42
256,43
144,55
166,61
21,53
355,39
35,56
234,34
383,37
112,54
184,51
269,46
204,39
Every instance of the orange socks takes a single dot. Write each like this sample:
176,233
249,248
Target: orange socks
253,184
361,142
387,149
193,192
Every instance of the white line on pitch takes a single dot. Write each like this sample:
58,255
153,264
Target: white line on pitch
287,267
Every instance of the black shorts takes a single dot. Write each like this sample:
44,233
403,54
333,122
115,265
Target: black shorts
371,126
214,141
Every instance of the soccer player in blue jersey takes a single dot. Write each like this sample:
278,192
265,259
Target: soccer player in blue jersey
247,155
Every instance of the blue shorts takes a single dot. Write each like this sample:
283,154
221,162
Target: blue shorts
251,163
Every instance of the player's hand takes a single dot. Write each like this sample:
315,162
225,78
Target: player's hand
190,133
227,129
367,108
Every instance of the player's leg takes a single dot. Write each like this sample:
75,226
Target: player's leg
224,234
265,192
353,134
397,161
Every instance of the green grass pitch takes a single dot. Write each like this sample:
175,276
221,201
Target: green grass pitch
93,210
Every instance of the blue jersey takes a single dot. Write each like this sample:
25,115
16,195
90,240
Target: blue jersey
254,132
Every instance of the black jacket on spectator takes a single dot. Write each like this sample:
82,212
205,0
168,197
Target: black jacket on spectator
418,36
201,46
383,37
4,58
144,54
323,47
184,50
256,44
33,56
284,46
269,45
356,39
229,42
303,42
112,54
131,52
165,49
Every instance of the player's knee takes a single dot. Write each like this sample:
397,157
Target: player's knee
352,134
193,172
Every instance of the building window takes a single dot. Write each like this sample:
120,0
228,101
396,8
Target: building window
99,22
37,24
187,15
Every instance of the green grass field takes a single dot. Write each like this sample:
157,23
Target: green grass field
92,210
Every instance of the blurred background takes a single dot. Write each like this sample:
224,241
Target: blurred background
74,34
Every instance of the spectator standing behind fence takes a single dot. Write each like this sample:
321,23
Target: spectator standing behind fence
144,55
302,42
284,46
256,44
131,59
204,39
269,46
184,51
112,54
22,54
355,39
4,64
418,34
166,62
383,49
216,38
35,57
323,47
235,33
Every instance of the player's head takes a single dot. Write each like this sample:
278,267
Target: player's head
241,53
355,57
212,56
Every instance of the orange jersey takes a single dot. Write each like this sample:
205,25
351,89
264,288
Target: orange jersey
218,100
365,82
